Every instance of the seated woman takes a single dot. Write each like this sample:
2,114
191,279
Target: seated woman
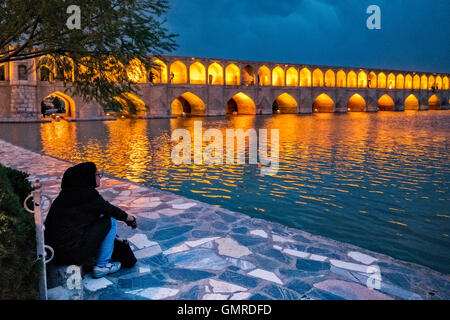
81,226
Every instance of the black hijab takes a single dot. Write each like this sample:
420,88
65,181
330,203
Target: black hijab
78,185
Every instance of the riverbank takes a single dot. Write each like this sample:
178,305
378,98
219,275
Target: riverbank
187,249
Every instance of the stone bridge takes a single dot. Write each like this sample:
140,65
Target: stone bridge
215,87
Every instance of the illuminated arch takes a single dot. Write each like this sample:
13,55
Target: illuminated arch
215,74
292,77
330,79
385,103
188,104
391,81
68,65
381,80
69,103
136,71
285,103
341,79
351,80
400,83
158,73
277,77
305,78
264,76
87,69
197,73
362,80
317,78
323,103
424,82
431,82
434,103
411,103
128,98
232,75
438,83
445,83
47,68
178,73
114,70
241,104
408,82
372,78
356,103
416,82
248,75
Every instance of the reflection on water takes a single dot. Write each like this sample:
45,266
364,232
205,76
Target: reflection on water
380,181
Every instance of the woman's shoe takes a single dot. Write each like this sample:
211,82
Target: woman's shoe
111,267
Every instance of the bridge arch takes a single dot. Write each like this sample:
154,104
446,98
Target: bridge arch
341,79
362,79
431,81
416,82
264,76
434,103
381,80
438,83
445,83
352,81
391,81
67,108
411,103
385,103
188,104
248,75
215,74
158,73
178,73
232,75
305,77
323,103
317,78
127,98
197,73
424,82
47,68
136,71
285,103
408,82
330,79
400,83
240,103
278,77
356,103
292,77
372,78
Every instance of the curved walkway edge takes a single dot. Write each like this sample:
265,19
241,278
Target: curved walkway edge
191,250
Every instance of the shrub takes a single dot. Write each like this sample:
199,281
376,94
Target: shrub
19,273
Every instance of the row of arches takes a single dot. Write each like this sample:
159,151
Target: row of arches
216,74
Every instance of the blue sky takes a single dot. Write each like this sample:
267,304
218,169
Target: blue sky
414,33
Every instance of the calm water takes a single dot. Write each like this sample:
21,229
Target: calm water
379,181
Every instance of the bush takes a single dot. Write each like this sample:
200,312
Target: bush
19,273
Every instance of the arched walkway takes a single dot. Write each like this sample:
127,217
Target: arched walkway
188,104
240,104
292,77
330,79
356,104
197,73
317,78
362,80
264,76
278,77
351,80
136,71
232,75
158,74
248,75
58,103
434,103
285,103
323,103
305,78
215,74
385,103
178,73
341,79
411,103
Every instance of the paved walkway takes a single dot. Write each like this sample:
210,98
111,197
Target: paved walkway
191,250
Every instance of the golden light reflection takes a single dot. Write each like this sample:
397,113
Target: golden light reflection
57,137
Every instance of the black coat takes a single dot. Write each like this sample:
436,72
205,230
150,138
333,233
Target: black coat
73,227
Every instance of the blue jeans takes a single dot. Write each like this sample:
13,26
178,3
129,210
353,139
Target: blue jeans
107,247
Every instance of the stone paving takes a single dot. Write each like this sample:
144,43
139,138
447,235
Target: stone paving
191,250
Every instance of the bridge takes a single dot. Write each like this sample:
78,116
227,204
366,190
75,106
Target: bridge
214,87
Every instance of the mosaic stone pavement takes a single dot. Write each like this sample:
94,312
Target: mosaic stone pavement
191,250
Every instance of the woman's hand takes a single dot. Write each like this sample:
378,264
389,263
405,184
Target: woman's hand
131,221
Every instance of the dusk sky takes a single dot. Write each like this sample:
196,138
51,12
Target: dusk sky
414,34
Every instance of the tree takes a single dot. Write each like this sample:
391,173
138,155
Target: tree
112,33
